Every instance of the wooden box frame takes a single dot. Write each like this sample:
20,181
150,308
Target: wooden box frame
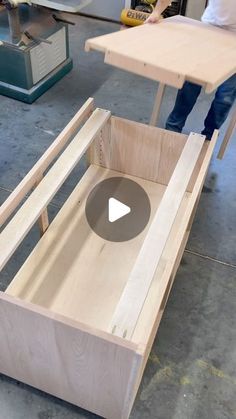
98,364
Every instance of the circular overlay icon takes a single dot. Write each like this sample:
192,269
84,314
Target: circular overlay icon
118,209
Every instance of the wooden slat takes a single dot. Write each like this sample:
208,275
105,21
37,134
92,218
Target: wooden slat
134,295
228,136
157,104
146,328
21,223
185,50
43,220
42,164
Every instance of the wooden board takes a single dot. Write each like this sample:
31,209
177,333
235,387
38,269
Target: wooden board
164,276
134,295
50,184
173,51
67,359
122,142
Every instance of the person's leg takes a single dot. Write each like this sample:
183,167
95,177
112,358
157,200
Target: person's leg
185,101
220,107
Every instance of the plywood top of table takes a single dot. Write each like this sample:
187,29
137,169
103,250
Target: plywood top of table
175,50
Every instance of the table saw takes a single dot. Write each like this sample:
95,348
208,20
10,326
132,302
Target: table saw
34,46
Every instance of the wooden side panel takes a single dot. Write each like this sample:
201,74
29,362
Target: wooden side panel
136,149
126,146
93,371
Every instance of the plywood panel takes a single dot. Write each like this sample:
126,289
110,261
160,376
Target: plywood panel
137,149
66,359
127,146
180,49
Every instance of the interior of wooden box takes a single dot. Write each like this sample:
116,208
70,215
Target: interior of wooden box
73,271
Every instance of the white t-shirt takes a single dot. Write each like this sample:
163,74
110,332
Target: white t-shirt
221,13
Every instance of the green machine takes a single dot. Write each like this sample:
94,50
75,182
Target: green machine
34,46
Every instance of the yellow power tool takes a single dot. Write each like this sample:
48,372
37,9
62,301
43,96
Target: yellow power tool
138,15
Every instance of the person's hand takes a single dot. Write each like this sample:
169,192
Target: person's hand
153,18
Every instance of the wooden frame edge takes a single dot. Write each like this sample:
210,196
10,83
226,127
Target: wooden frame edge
26,305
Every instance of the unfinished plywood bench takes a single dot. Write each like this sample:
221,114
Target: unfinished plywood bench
79,318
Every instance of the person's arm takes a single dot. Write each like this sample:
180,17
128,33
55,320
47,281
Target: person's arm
159,9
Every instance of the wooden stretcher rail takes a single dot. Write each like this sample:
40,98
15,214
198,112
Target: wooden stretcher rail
170,259
43,163
21,223
131,302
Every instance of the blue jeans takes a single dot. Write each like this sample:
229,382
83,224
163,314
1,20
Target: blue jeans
219,110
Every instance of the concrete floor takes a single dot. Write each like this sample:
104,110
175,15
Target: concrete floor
191,371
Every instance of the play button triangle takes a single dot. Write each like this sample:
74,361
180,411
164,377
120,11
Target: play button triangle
117,210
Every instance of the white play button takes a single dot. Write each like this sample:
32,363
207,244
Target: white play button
117,210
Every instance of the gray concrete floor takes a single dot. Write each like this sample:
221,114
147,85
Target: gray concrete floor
191,371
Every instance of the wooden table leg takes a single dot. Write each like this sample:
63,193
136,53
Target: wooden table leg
227,136
157,104
43,221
